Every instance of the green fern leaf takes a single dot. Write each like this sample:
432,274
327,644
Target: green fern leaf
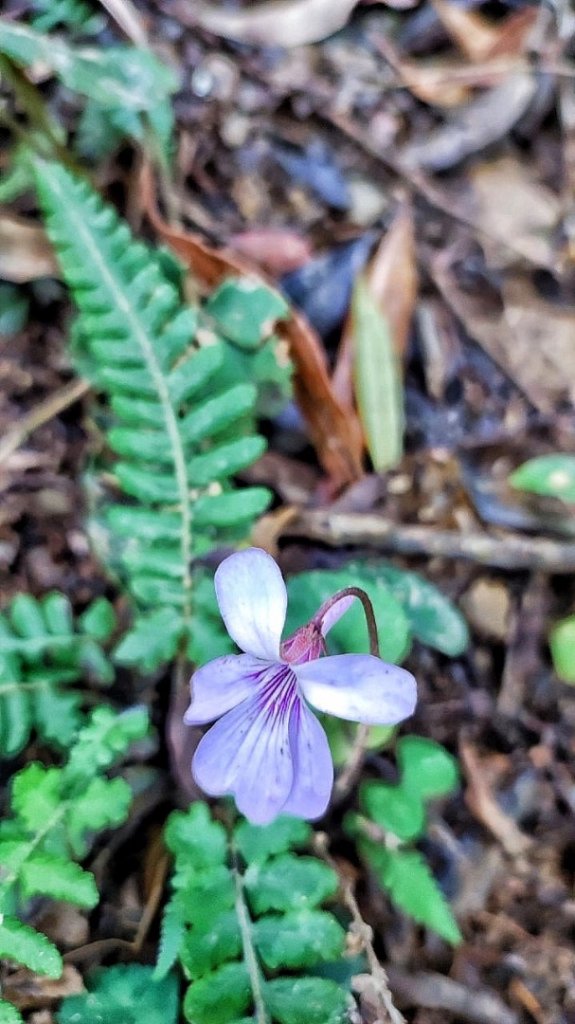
9,1014
217,921
75,15
59,879
54,811
175,427
42,648
26,946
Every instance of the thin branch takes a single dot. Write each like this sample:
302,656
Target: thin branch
504,551
364,933
41,414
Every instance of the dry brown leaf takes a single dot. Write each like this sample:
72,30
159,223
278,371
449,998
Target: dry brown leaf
480,39
513,204
25,252
531,340
129,19
477,125
275,250
392,280
483,804
334,429
279,23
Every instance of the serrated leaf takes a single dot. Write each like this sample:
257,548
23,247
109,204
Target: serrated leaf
313,1000
257,843
413,888
433,619
289,883
116,76
244,311
206,948
45,874
299,939
171,937
103,803
180,432
153,640
192,834
552,475
219,997
9,1014
122,994
104,739
393,809
20,943
36,795
427,769
206,894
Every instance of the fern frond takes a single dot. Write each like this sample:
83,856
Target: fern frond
178,434
9,1014
74,15
42,649
54,814
244,907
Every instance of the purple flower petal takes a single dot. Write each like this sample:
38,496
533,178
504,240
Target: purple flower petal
247,752
313,768
335,612
253,600
221,685
359,688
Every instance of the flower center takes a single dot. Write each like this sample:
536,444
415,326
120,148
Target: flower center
278,692
306,644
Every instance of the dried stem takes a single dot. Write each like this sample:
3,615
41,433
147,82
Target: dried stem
506,551
365,934
41,414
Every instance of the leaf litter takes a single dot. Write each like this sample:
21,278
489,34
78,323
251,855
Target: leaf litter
457,119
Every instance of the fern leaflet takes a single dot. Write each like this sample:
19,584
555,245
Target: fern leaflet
245,907
42,648
174,428
55,812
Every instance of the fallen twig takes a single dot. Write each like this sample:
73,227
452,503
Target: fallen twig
41,414
365,935
505,551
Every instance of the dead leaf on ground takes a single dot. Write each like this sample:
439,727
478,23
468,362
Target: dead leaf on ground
279,23
530,339
483,804
25,252
482,40
334,429
392,280
275,250
513,204
479,124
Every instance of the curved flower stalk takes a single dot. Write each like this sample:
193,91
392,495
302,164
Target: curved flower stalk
268,749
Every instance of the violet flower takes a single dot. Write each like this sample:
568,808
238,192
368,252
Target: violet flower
268,749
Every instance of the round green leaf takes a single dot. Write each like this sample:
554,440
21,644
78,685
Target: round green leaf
309,590
433,619
562,645
428,770
313,1000
219,997
260,842
394,809
552,475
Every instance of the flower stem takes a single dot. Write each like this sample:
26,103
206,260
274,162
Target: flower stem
367,608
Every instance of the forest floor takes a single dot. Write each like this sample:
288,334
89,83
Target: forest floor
442,137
